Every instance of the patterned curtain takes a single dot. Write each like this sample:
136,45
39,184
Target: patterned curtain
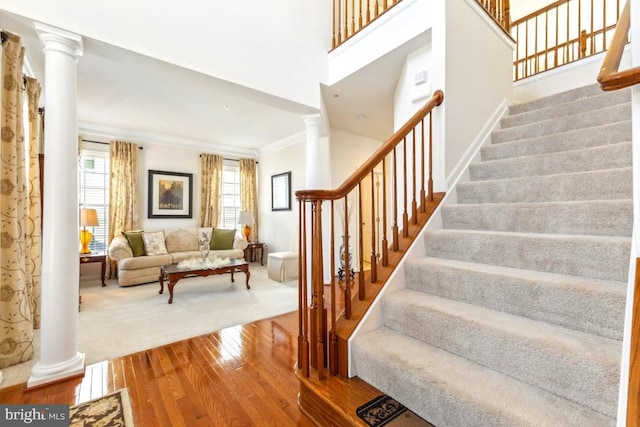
249,193
34,224
16,263
123,191
210,189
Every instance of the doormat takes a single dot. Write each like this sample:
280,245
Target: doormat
113,409
386,411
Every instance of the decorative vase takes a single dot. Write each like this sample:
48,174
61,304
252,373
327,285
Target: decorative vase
343,261
204,245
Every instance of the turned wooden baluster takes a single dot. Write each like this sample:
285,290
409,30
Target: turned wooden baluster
414,203
430,185
394,229
423,198
385,243
405,214
303,341
361,289
347,264
333,340
374,261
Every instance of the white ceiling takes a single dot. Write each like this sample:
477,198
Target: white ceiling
125,94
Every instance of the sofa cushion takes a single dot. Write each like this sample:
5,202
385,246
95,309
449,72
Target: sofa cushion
181,240
144,262
134,238
222,239
154,243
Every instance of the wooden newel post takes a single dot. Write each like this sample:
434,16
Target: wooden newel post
318,313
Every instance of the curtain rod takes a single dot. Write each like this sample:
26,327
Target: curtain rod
233,160
105,143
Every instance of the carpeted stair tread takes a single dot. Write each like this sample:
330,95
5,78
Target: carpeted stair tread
591,185
583,105
592,217
578,121
598,257
612,133
559,98
609,156
589,305
448,390
531,351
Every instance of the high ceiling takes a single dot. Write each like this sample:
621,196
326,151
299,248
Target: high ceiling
127,95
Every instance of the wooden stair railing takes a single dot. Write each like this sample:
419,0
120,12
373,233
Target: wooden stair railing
562,32
499,10
383,205
610,78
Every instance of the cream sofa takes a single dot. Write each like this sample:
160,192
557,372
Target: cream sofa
181,244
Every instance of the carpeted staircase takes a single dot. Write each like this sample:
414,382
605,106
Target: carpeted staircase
515,316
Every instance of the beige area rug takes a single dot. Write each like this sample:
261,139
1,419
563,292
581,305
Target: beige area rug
115,320
113,409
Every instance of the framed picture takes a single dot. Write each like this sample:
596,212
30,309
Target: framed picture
170,195
281,192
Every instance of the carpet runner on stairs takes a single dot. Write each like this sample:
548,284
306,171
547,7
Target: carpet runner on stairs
515,316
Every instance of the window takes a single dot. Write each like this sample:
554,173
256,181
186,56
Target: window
230,197
93,192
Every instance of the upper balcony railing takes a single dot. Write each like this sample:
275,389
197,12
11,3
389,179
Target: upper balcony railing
562,32
351,16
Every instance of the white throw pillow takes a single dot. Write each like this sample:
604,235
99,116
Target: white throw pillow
154,243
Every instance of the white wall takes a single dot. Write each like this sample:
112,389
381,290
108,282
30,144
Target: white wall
477,77
256,44
348,152
279,230
167,159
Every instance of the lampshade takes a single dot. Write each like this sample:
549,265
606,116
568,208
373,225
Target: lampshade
246,217
88,218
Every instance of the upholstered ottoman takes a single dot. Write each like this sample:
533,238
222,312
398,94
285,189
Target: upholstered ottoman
282,266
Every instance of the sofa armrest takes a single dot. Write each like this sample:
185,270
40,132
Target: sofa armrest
119,249
240,243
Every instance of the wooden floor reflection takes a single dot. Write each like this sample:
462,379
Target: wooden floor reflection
240,376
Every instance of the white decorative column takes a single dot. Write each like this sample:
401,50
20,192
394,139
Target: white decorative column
318,162
59,356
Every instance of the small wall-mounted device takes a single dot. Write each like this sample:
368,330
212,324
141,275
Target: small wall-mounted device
421,77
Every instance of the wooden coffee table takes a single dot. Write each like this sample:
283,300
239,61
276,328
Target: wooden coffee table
171,273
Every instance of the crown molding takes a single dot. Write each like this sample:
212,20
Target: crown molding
99,131
296,138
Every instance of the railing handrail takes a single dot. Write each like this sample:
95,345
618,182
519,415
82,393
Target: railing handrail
539,12
609,77
375,159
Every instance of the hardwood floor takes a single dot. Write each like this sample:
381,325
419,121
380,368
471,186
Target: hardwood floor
240,376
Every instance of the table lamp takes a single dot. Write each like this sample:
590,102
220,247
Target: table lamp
246,218
88,218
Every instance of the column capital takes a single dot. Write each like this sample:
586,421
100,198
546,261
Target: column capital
312,119
56,39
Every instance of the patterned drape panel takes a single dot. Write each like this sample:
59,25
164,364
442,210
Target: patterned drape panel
249,193
34,220
210,190
123,191
16,316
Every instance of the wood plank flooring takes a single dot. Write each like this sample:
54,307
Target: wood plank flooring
239,376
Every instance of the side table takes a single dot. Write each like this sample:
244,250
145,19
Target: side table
95,257
250,252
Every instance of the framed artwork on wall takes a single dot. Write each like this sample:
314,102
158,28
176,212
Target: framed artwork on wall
281,192
170,195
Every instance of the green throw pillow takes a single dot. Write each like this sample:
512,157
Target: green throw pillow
222,239
135,242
